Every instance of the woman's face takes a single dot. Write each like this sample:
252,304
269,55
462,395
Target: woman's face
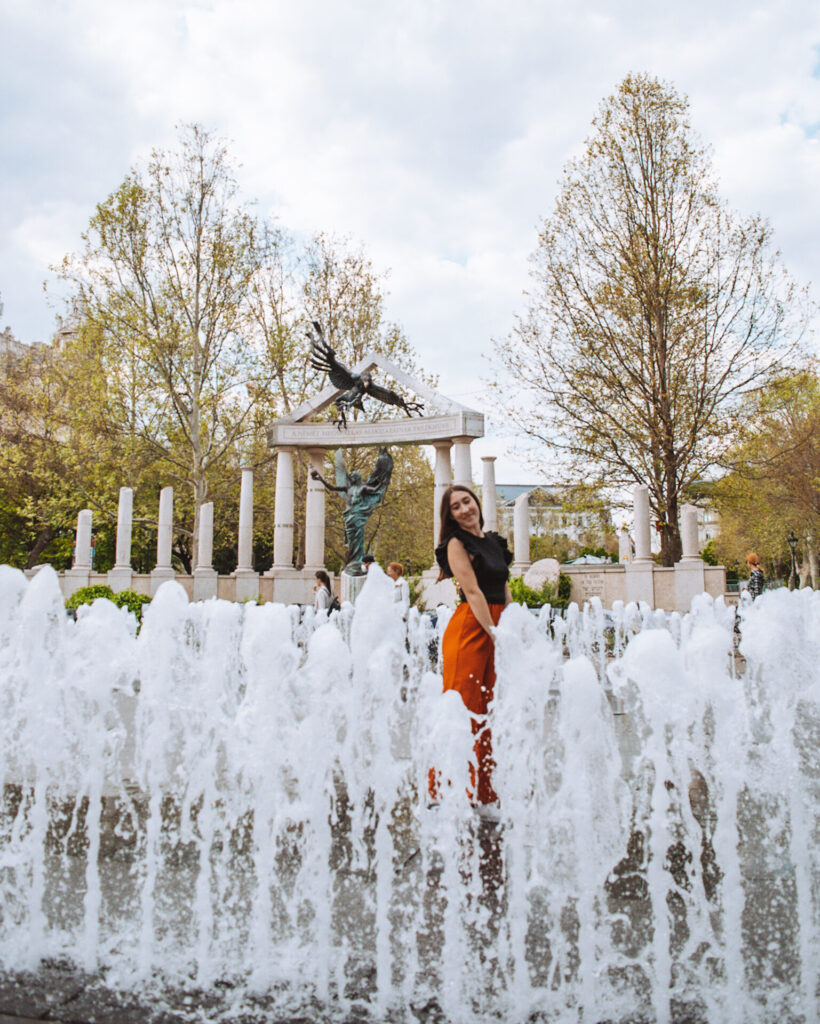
391,572
464,510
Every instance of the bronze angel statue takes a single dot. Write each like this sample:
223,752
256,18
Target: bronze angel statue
355,385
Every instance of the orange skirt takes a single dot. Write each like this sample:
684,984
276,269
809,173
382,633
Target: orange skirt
468,660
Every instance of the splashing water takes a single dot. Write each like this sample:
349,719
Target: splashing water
237,797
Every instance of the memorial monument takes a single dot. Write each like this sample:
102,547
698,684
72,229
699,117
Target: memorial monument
360,501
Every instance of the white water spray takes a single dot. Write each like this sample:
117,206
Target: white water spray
237,796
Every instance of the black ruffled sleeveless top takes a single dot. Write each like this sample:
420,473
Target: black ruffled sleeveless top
490,557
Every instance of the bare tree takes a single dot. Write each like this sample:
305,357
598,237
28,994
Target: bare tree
653,309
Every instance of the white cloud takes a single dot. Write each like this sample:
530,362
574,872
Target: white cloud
434,133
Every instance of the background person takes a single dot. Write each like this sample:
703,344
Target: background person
757,581
401,588
479,561
322,595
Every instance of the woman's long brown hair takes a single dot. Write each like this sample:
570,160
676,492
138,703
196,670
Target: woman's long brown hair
448,524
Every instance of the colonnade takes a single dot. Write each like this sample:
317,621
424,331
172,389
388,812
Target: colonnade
452,465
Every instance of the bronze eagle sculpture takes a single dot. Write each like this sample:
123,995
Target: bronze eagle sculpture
355,385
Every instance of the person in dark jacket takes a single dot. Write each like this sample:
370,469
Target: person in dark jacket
757,581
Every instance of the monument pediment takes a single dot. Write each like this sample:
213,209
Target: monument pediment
450,419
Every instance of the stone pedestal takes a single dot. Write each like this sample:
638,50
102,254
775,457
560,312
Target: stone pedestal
120,579
247,584
521,534
350,586
489,501
639,584
165,535
690,580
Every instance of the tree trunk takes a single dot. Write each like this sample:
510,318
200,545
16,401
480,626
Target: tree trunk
671,548
43,538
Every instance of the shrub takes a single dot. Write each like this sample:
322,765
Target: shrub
133,601
129,599
86,595
557,596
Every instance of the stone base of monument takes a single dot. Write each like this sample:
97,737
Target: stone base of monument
247,584
350,586
433,593
159,576
120,578
205,584
74,579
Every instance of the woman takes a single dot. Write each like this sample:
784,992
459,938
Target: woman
757,581
401,588
321,591
479,562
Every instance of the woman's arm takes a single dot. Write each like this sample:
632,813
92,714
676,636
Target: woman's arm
463,571
508,598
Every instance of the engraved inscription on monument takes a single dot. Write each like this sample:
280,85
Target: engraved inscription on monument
591,584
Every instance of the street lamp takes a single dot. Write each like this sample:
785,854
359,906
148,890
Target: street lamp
791,540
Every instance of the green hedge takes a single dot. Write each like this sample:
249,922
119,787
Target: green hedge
557,596
129,599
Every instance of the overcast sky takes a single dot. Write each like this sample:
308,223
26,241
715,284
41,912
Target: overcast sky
433,133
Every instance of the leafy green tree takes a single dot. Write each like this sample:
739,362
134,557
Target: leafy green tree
189,337
653,308
165,279
773,483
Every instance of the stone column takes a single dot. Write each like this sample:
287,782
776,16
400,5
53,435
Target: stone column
205,578
624,547
245,541
165,538
689,532
443,479
462,466
521,534
247,581
690,571
315,513
82,542
120,577
643,539
489,501
79,575
283,511
640,583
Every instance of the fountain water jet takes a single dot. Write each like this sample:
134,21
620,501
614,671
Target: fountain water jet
237,795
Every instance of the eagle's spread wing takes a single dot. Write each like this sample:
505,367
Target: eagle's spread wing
322,357
384,395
